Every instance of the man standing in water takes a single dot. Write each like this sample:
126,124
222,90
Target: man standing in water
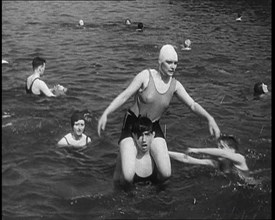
153,90
36,86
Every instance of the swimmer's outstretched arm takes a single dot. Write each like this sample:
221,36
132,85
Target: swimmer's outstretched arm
120,100
197,108
236,158
184,158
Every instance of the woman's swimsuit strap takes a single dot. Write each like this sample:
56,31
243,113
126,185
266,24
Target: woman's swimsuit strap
67,140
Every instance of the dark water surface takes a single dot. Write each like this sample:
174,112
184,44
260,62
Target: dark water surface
96,63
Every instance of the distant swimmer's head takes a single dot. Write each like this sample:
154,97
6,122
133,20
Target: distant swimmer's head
260,88
81,22
168,53
38,63
187,43
128,22
239,17
140,25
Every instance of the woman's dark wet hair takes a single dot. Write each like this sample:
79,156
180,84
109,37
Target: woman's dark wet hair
141,125
76,116
81,115
258,89
37,61
230,141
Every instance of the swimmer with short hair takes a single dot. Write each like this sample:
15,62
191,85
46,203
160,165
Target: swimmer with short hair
228,158
34,85
139,27
76,138
260,89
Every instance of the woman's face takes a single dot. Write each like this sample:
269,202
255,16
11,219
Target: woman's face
144,140
79,127
168,67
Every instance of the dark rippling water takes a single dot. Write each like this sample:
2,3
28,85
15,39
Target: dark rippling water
98,62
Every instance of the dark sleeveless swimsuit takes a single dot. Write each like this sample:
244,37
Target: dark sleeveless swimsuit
152,178
29,91
149,103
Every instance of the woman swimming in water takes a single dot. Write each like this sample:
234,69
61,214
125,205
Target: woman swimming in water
76,138
228,158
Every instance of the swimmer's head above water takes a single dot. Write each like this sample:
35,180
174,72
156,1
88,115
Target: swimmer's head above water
187,43
76,116
140,26
81,115
260,88
81,22
167,53
128,22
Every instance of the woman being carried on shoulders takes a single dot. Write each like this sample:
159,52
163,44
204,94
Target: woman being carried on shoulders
153,90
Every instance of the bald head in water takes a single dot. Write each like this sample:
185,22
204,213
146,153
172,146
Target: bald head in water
167,52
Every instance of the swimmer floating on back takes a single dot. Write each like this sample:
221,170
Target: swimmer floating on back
76,138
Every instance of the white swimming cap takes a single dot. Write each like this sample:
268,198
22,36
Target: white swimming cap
167,52
81,22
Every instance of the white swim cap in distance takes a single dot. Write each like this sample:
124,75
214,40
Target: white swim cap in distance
167,52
